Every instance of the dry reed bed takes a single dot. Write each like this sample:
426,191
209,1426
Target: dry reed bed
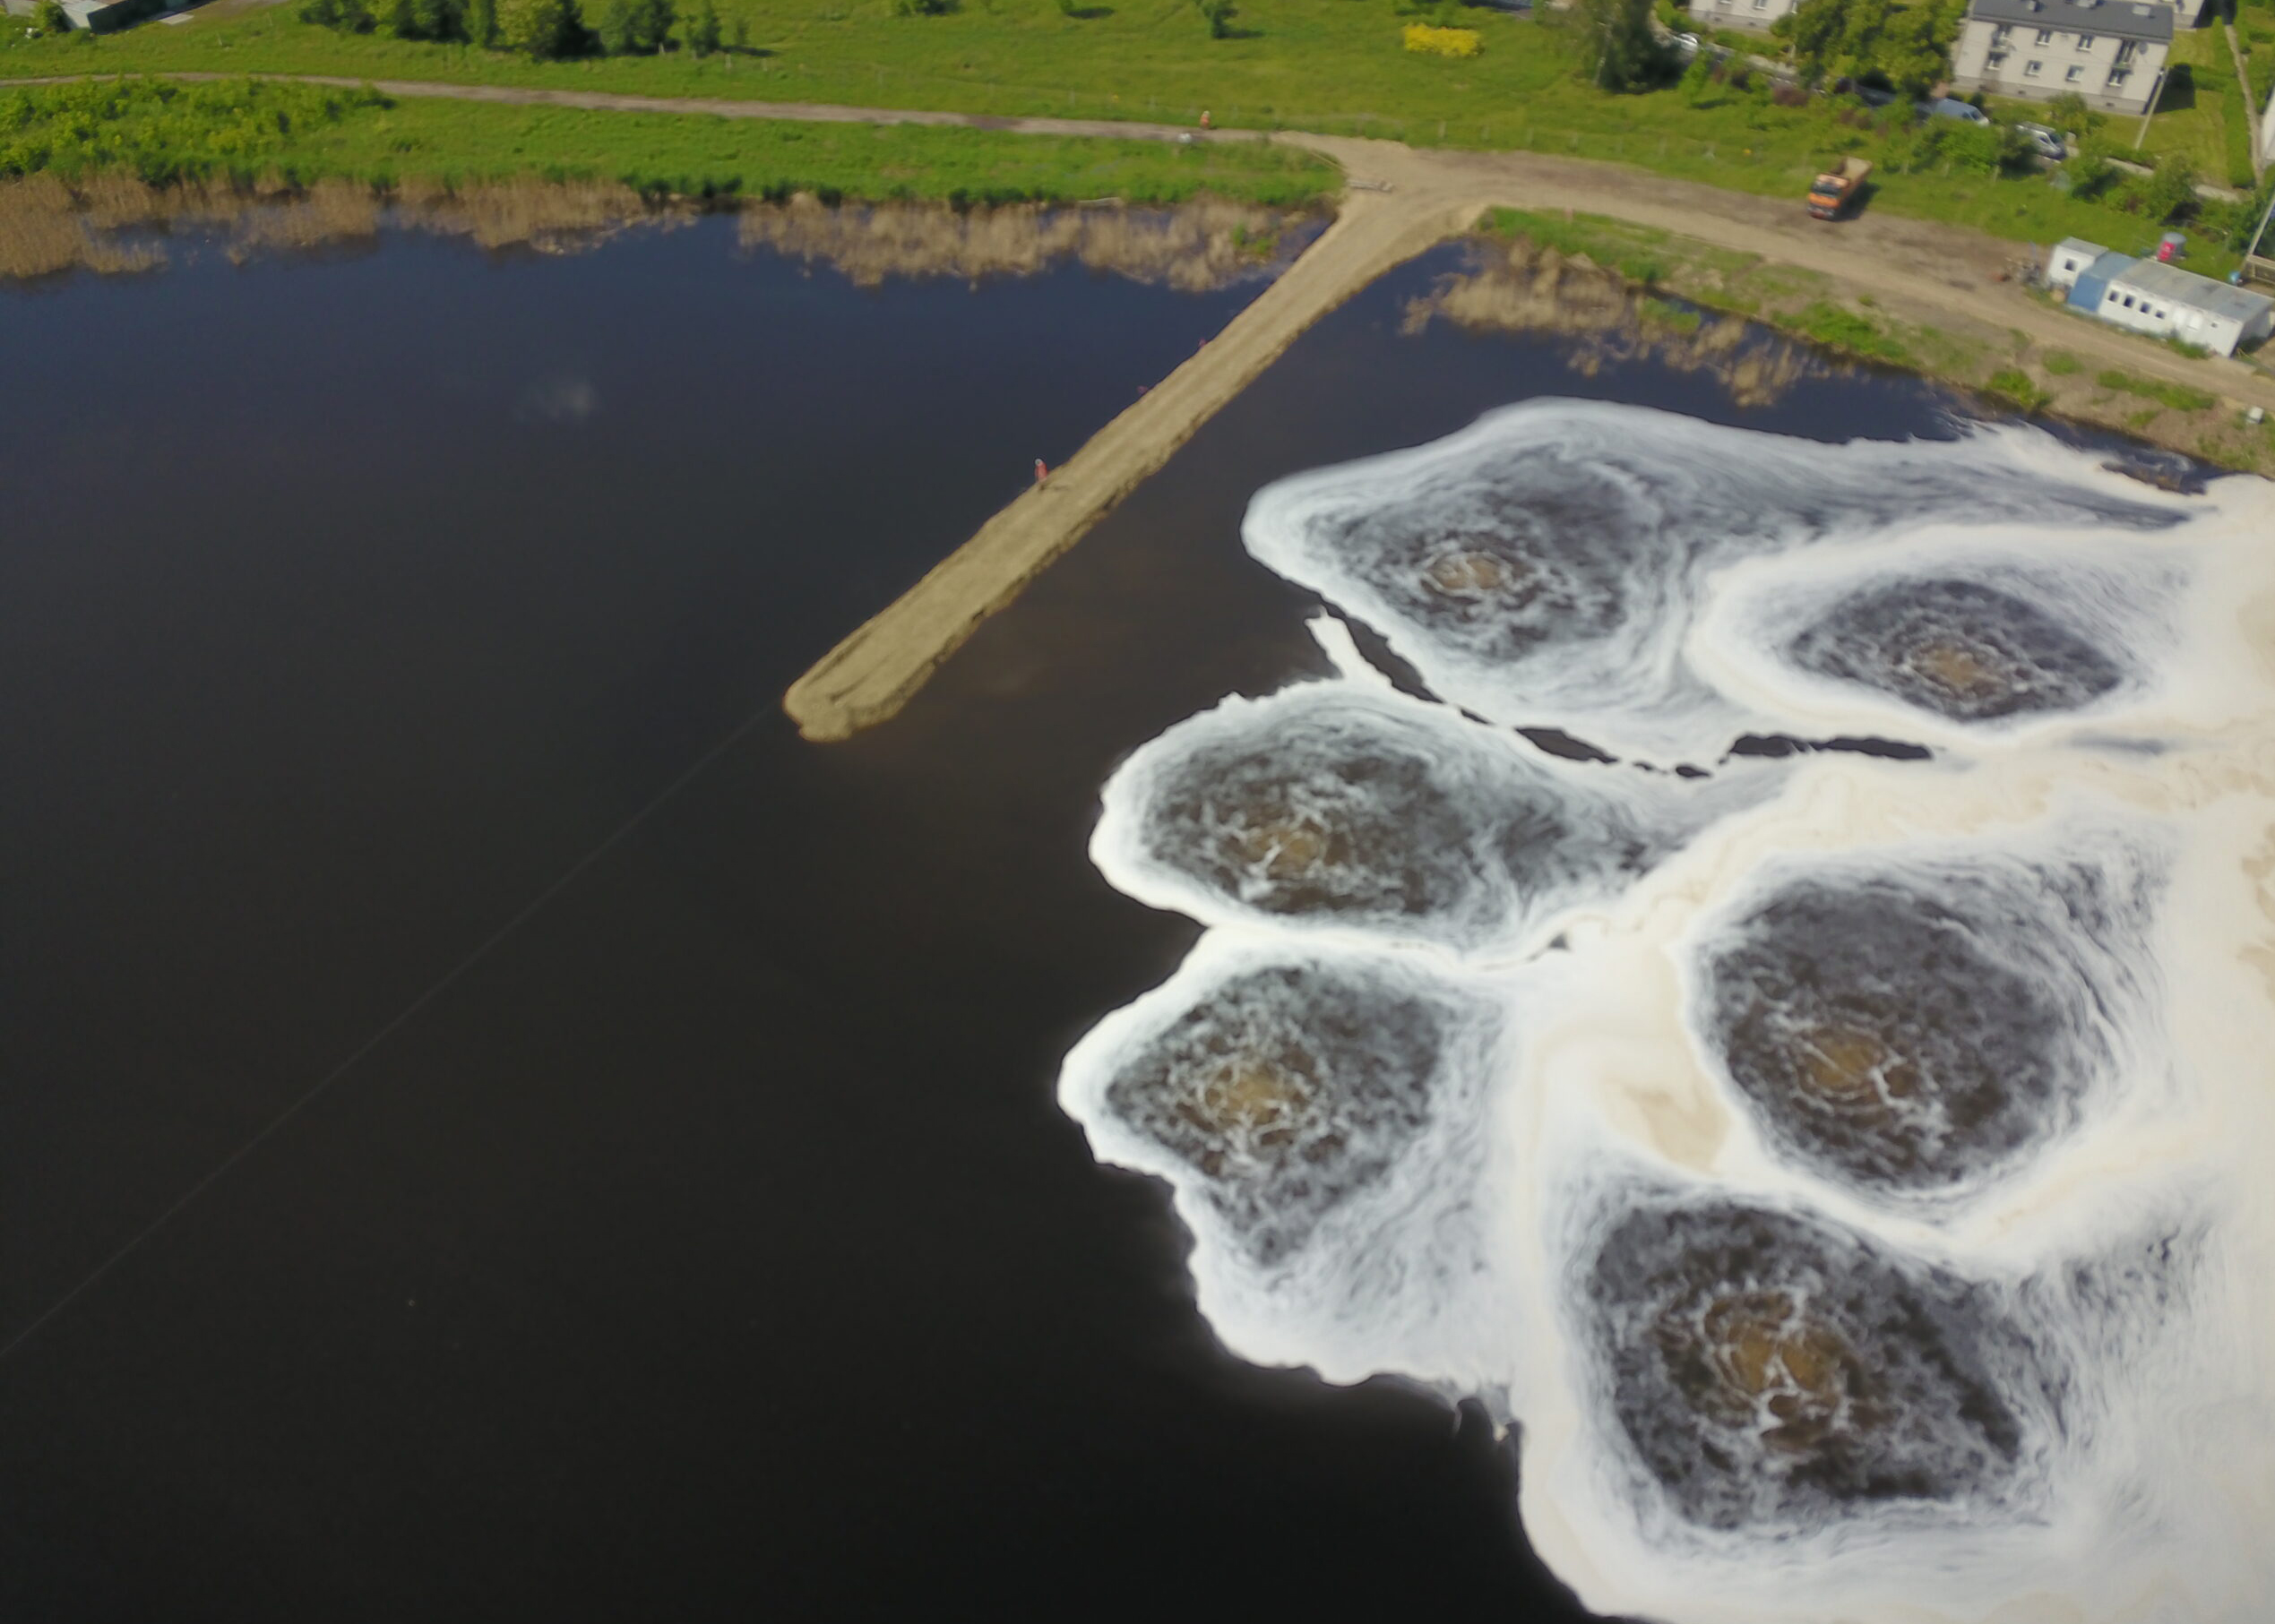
1541,290
111,223
1191,248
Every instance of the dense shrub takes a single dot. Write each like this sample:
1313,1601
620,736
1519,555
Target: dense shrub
2168,194
547,30
163,131
1618,47
1954,147
635,28
703,35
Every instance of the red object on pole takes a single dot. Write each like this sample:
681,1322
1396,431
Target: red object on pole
1041,473
1205,118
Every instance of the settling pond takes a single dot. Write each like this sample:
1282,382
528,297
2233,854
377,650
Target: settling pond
711,1245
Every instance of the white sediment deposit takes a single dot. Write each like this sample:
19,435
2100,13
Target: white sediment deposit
1848,1174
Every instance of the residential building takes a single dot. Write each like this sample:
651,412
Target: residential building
2110,52
1740,14
2161,300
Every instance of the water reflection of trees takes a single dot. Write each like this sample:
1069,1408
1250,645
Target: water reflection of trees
1530,289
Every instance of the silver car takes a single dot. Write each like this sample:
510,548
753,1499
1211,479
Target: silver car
2047,142
1965,112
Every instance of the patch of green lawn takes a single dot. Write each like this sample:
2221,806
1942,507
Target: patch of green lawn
164,132
2198,114
2177,396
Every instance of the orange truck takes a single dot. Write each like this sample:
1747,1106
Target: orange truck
1834,191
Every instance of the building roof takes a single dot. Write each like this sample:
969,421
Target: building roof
2124,18
2171,283
2088,252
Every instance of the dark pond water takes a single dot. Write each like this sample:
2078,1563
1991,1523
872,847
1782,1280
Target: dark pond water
708,1247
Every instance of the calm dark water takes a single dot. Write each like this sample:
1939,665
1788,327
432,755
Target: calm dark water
710,1247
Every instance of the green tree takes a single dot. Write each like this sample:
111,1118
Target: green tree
1218,15
348,16
704,34
614,30
438,18
1617,45
543,28
2167,196
2069,112
50,18
635,28
1909,48
481,24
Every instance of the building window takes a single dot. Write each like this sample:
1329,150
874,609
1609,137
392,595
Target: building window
2118,76
2046,36
1995,61
2031,68
2085,42
2001,34
2074,74
2125,48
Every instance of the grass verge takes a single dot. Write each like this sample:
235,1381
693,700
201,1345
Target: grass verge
162,132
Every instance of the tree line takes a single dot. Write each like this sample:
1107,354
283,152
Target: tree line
548,29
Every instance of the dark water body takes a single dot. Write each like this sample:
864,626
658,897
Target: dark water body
710,1248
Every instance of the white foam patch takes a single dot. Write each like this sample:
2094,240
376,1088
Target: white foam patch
1956,640
1345,810
1543,567
1847,1177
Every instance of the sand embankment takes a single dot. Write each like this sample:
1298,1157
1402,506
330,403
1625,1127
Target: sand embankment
1913,265
873,672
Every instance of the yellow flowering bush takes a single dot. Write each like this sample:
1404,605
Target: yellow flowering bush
1442,41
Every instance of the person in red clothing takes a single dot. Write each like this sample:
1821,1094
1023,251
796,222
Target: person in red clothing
1042,474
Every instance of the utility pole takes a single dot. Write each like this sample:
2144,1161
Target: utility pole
2251,254
2155,95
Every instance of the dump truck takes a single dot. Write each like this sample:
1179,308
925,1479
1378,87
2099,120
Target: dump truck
1834,191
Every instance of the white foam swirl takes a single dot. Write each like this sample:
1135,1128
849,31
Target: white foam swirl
1849,1174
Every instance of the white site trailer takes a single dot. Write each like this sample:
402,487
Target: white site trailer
2161,300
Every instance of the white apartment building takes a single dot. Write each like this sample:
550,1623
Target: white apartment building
2111,52
1740,14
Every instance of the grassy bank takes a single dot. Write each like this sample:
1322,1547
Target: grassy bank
1995,361
1333,65
244,130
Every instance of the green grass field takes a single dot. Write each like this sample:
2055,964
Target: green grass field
2203,118
1333,65
162,132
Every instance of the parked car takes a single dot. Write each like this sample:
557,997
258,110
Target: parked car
1965,112
1687,45
2049,143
